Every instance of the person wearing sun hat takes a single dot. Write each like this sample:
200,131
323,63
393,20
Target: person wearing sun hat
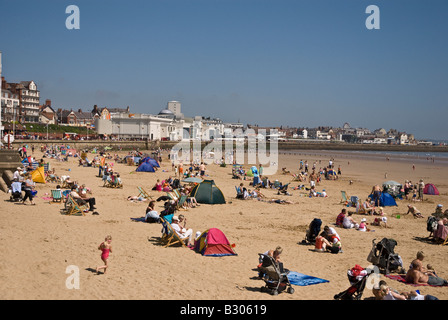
363,225
184,234
439,211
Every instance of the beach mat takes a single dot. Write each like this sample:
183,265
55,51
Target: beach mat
402,279
300,279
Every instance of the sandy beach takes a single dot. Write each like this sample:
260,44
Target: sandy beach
39,246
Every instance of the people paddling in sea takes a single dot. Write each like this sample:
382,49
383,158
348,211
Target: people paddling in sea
105,248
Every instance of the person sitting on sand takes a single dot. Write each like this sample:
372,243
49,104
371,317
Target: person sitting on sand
340,217
321,243
348,222
380,222
152,215
419,259
367,207
415,275
363,225
414,211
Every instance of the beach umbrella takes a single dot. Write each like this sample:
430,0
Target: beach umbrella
192,180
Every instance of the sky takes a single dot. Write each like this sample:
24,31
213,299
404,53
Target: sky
297,63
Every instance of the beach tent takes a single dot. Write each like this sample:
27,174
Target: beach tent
145,167
152,161
38,175
214,243
392,187
386,200
430,189
207,192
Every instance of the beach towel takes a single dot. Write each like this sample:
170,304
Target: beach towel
402,279
300,279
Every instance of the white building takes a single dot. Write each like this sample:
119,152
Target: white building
404,139
9,106
30,100
141,126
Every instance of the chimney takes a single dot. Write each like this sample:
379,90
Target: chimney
48,102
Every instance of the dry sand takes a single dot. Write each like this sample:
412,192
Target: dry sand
38,243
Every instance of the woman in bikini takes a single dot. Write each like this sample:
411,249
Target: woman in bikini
105,248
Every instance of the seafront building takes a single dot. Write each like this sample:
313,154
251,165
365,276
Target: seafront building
169,124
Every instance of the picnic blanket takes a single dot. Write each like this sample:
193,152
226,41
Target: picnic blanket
300,279
402,279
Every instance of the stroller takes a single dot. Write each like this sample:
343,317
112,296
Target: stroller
275,277
283,189
357,277
384,257
16,192
313,231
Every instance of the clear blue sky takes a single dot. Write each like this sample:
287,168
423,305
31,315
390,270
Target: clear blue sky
266,62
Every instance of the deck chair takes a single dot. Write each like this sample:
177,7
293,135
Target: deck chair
181,202
172,237
56,195
177,193
344,197
172,195
143,193
72,207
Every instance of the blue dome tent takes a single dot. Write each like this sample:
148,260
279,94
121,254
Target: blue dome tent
146,165
151,161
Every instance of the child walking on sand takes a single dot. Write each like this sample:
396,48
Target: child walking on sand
105,248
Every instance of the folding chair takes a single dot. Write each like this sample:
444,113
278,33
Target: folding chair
344,197
171,237
56,195
445,241
72,207
143,193
172,196
181,202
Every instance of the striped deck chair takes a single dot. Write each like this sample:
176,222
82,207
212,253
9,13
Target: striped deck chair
143,193
181,202
72,207
344,197
56,195
170,237
172,195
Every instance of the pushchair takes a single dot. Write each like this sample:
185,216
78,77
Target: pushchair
274,275
16,192
313,231
283,189
384,257
357,277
